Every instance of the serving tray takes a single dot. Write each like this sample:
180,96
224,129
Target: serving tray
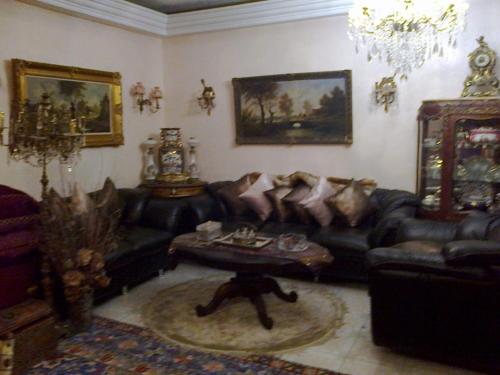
259,243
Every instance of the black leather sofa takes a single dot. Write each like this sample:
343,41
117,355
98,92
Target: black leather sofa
348,245
148,226
437,293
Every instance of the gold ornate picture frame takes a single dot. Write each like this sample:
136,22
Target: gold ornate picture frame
95,94
300,108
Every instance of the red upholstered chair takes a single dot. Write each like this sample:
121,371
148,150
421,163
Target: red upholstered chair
18,245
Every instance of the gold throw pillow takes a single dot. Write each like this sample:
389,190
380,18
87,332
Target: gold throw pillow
352,204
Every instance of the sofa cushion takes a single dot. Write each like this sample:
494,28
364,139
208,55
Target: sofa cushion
280,228
352,204
314,202
133,202
422,246
472,253
146,238
344,239
476,226
138,242
390,258
387,201
230,195
256,199
123,251
281,212
293,199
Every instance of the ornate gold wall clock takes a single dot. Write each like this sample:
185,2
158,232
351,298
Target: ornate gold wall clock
482,80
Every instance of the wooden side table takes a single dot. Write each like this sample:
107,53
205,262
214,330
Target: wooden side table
162,189
28,334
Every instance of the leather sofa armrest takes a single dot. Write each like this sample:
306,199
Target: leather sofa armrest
407,263
426,230
472,253
168,214
385,231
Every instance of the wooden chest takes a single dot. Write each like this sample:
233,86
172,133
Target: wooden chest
27,336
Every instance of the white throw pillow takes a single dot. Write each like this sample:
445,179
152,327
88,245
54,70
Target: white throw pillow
256,199
315,204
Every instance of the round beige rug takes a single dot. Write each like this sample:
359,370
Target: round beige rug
235,327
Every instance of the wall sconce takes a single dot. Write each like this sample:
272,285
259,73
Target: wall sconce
207,98
385,92
155,95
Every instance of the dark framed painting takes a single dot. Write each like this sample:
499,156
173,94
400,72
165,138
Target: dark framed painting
302,108
95,94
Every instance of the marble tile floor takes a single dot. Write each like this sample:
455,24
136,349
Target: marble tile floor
351,351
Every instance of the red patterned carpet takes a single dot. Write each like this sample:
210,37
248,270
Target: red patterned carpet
117,348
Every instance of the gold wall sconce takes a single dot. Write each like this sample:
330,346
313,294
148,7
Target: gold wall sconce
153,101
385,92
207,98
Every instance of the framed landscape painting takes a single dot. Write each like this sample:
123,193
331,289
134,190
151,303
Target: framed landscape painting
95,94
303,108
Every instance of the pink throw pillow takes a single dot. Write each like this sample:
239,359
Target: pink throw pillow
256,199
315,204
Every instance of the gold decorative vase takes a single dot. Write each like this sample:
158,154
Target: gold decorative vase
80,312
171,156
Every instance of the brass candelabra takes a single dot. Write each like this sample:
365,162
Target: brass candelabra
39,133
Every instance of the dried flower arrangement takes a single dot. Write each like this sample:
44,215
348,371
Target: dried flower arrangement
78,233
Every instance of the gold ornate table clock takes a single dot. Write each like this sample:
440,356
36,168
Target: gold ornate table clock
172,181
171,156
482,80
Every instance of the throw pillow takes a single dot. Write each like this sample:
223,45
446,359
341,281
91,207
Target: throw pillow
256,199
230,195
295,179
282,212
293,199
315,204
352,204
368,185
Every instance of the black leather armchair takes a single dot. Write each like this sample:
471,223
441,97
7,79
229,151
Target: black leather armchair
348,245
148,226
437,292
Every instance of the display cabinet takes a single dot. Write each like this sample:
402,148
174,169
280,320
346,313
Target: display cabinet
458,157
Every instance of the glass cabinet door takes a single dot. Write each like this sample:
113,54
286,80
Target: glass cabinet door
431,163
476,169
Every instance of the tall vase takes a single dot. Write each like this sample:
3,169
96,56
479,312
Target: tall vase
80,312
171,156
150,168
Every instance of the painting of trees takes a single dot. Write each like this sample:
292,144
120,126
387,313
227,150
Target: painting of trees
294,108
260,93
286,105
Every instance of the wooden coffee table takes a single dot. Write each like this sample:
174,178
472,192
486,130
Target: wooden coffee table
251,267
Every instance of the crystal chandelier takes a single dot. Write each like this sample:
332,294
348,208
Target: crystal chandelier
406,33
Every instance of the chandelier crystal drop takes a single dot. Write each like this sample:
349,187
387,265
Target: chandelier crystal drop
406,33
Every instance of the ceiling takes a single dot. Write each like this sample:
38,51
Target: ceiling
179,6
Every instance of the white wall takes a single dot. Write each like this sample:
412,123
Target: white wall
384,145
31,33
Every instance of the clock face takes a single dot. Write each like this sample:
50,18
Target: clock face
482,60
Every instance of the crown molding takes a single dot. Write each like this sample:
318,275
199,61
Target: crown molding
124,14
115,12
253,14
